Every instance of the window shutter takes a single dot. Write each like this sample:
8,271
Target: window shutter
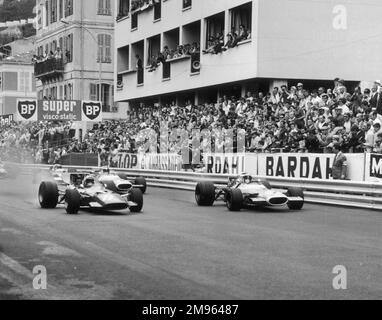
108,48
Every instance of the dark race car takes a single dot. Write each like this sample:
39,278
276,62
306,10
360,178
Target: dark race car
246,191
86,189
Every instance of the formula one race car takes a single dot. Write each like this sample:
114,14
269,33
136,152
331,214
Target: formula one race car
246,191
105,175
84,189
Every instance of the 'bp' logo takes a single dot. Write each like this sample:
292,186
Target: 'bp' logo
91,110
27,109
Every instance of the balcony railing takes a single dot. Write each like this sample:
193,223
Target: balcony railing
49,68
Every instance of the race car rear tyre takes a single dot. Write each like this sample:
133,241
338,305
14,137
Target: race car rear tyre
137,197
72,201
140,181
205,194
48,195
295,192
234,200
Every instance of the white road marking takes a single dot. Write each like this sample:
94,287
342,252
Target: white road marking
53,249
15,266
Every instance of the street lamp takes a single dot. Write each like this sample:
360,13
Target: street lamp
96,42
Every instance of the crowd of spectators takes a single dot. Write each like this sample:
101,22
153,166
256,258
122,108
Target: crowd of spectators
284,120
216,42
167,54
142,4
56,55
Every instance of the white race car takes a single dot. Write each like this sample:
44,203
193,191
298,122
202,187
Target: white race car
246,191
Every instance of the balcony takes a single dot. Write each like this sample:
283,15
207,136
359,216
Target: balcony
50,68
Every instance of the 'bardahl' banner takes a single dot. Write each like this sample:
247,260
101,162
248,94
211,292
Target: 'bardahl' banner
224,163
307,166
6,119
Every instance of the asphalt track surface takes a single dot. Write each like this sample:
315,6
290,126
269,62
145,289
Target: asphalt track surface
176,250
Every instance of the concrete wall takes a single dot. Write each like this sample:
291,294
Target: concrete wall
236,64
320,39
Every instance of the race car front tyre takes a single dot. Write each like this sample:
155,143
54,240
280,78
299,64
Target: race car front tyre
205,194
234,200
140,181
295,192
48,195
72,201
137,197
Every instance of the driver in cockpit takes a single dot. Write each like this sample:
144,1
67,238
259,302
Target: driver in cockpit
89,182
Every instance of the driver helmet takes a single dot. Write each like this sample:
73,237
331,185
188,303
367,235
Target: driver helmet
89,182
247,179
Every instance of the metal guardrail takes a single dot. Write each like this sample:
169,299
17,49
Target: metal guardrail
340,193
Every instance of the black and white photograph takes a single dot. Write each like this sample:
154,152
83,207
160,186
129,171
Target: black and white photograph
190,155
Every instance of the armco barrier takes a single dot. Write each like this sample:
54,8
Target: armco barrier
342,193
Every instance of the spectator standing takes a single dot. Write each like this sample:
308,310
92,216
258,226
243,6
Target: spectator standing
340,166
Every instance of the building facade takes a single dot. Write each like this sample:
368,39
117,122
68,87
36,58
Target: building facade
78,34
287,42
16,74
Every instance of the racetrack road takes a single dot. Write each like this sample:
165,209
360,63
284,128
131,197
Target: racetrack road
176,250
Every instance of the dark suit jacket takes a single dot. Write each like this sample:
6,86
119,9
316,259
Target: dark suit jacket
373,100
339,167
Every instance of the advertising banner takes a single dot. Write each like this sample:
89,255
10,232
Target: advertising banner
26,110
373,167
307,166
6,119
125,160
91,111
59,110
162,162
232,164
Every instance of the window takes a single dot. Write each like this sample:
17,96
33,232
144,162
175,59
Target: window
53,14
68,8
93,95
24,81
60,7
104,7
69,48
123,9
54,46
106,95
46,13
187,4
215,28
104,48
157,9
241,21
134,21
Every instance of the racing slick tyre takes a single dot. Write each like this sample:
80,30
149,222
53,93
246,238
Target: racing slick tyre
137,197
234,200
48,195
72,201
205,194
295,192
140,181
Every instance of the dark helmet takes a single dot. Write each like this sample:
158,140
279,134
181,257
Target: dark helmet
89,182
